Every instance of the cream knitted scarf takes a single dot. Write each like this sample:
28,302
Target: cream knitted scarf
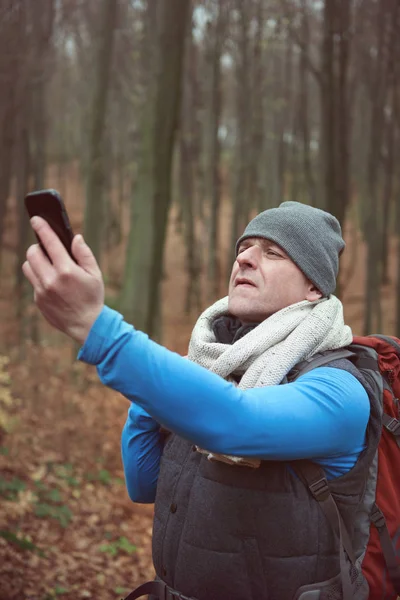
268,352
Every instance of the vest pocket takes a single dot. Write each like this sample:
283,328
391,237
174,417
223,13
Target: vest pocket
205,574
255,570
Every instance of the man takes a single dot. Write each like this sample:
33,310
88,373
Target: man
234,516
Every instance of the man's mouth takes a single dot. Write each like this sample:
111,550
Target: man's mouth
245,282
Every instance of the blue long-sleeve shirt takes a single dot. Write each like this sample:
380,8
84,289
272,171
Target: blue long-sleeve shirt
322,415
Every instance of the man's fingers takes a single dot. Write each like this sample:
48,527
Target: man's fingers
31,277
84,256
39,264
50,240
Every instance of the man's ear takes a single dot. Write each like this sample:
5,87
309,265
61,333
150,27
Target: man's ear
313,293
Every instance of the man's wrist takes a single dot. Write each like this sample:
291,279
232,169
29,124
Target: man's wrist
81,332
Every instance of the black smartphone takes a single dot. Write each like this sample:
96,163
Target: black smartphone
49,205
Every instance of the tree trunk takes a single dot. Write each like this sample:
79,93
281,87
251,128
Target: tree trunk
43,28
387,196
282,121
23,291
304,116
188,160
143,270
12,36
382,69
343,114
256,165
214,155
335,106
241,158
94,209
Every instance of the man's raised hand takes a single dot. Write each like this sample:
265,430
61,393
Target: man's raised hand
69,295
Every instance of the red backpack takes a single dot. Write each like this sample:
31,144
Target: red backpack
378,358
381,565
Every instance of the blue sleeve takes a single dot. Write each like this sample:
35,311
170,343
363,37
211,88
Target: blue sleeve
141,446
323,415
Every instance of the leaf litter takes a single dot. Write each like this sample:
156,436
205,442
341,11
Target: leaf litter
67,526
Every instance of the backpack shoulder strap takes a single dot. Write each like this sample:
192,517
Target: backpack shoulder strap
318,360
389,553
314,477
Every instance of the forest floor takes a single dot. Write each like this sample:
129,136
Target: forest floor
67,527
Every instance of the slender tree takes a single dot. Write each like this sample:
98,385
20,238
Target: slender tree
387,21
188,172
94,213
12,29
242,97
214,149
144,262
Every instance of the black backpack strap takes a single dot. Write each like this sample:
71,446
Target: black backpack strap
157,588
389,553
318,360
314,477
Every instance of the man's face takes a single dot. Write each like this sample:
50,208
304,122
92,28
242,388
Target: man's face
264,280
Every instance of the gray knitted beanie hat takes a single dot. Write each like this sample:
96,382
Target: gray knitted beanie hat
311,237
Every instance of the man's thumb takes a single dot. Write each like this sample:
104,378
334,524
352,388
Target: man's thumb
84,256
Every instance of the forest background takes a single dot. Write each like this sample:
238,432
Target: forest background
166,125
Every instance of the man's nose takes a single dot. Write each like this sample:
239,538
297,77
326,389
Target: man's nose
248,257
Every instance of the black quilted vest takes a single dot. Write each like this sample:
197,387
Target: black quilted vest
224,532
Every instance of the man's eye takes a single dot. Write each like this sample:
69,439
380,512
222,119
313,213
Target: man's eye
272,252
